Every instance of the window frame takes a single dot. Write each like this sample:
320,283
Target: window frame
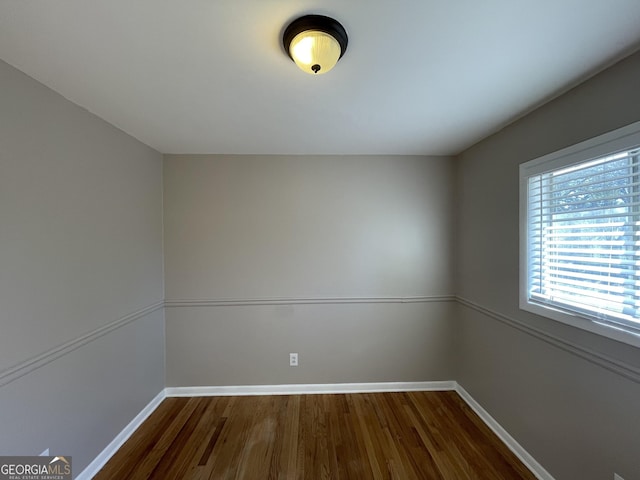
624,138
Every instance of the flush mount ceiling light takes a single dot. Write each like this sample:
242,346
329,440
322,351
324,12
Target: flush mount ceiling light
315,43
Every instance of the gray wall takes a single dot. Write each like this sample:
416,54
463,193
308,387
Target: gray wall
81,348
569,397
258,228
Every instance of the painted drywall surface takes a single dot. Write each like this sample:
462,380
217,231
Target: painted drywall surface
250,345
252,226
77,404
79,205
566,411
256,227
80,248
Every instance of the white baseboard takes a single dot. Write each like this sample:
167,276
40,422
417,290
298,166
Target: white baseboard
104,456
517,449
307,389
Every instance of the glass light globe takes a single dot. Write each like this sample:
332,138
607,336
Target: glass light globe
315,52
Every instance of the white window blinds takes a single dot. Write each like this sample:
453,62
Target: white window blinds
583,224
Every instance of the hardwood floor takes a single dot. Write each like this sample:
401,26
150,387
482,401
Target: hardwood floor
417,435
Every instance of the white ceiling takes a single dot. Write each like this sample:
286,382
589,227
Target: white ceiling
211,76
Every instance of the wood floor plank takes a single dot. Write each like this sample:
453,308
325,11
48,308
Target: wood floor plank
362,417
399,432
405,436
148,434
255,459
206,455
289,459
233,439
210,428
440,463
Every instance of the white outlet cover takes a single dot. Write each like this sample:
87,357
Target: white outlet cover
293,359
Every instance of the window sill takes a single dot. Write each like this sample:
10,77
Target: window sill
613,332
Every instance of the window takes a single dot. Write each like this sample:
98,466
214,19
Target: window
580,235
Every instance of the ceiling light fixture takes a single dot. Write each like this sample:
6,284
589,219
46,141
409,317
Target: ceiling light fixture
315,43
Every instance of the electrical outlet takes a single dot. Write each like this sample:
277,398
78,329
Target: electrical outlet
45,453
293,359
617,477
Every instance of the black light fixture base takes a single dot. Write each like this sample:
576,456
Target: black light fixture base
316,22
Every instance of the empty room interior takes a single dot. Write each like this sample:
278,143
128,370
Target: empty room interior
219,261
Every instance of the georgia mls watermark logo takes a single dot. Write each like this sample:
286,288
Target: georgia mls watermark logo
35,468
